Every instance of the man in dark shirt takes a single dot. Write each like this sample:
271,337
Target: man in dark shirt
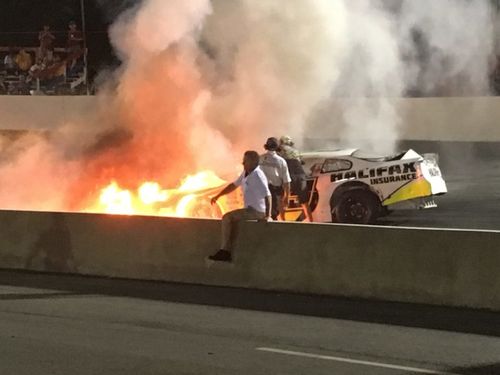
297,174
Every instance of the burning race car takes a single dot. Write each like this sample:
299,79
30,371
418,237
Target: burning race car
343,186
348,187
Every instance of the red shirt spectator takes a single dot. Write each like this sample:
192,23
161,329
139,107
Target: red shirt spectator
75,37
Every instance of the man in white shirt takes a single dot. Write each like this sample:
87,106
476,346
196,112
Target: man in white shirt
256,197
278,176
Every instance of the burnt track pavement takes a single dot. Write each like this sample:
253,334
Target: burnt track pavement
60,324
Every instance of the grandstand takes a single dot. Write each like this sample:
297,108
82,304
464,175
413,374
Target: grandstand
44,82
21,23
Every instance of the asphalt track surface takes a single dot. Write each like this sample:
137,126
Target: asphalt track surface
79,325
473,198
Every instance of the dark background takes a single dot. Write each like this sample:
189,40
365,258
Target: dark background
21,20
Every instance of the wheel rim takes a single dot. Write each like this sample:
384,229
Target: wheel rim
357,211
353,209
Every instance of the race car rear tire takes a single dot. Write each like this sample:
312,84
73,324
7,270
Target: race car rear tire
357,207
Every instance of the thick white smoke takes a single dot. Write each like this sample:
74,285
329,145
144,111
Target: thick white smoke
372,73
154,25
275,65
265,69
189,90
449,45
405,47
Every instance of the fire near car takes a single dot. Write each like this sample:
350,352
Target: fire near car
348,187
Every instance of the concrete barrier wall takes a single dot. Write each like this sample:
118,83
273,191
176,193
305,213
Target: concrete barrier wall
42,112
456,119
442,267
432,119
450,119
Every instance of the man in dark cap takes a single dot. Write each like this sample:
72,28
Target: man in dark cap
276,171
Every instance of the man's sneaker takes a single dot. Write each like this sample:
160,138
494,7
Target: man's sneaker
221,256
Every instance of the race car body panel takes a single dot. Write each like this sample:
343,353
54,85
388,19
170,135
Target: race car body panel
389,180
325,188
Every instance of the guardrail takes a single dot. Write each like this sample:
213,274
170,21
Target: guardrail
432,266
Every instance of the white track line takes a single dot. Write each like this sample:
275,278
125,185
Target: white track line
354,361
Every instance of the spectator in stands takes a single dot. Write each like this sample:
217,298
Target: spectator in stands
46,39
59,66
24,61
10,63
3,87
75,38
36,69
21,87
54,74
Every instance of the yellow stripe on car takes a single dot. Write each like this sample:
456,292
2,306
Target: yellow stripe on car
415,189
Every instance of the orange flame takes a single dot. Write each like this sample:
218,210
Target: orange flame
190,199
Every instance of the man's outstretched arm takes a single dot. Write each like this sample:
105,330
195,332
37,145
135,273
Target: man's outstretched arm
228,189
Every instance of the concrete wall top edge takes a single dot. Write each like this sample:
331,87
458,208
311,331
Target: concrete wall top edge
188,220
472,119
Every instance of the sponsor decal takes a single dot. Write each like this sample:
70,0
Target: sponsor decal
389,179
380,175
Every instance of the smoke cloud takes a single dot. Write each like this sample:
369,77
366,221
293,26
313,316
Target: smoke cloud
276,66
404,47
455,40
